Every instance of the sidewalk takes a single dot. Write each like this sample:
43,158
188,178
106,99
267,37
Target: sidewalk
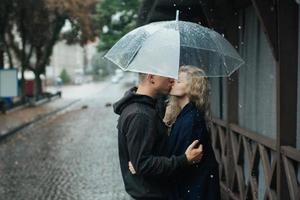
16,120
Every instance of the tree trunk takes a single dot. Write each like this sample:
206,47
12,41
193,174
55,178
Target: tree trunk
10,59
23,89
23,56
1,59
2,49
43,57
37,86
3,23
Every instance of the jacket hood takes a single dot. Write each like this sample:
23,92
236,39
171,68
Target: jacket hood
131,97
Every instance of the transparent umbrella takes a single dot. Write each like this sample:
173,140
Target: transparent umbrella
160,48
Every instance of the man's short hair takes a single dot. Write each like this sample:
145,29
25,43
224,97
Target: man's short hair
142,77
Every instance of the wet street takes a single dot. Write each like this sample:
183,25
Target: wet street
72,155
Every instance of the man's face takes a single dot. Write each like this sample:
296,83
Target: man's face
163,85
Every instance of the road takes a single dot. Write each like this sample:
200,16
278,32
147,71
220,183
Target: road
72,155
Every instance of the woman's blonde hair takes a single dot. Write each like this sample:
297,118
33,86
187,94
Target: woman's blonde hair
199,94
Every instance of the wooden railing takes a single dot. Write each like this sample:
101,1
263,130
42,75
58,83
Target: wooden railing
291,160
244,157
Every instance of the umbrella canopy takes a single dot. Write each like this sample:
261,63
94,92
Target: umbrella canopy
160,48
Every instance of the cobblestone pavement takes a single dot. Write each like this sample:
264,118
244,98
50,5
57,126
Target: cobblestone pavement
70,156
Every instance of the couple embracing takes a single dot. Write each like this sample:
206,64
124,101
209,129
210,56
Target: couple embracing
167,157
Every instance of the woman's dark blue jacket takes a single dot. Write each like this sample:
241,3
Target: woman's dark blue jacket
199,181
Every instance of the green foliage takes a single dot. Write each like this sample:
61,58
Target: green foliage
115,18
65,77
101,67
29,29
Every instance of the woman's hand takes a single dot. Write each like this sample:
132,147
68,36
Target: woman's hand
131,168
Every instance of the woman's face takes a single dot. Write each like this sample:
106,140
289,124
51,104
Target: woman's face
180,87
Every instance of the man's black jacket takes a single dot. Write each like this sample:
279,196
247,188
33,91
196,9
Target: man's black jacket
142,140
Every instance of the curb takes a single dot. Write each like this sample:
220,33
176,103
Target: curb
28,104
43,101
36,119
16,108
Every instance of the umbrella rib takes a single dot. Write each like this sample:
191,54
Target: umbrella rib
111,60
133,56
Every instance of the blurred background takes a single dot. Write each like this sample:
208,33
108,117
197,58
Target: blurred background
58,136
50,43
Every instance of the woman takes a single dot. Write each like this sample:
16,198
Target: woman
188,114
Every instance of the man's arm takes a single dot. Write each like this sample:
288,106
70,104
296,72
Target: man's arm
140,136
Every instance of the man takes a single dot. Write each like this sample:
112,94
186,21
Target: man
143,141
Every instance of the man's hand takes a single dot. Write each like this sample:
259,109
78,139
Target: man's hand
194,154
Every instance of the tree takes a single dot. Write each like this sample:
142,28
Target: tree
39,24
65,76
101,67
5,11
115,18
